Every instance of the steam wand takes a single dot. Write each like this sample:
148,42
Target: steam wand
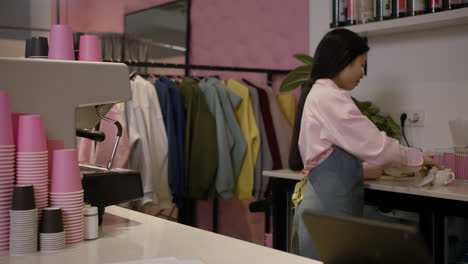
119,134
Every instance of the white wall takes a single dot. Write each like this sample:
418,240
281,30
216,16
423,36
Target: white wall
420,70
425,70
12,48
22,14
25,13
319,21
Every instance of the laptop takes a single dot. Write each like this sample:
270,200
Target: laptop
346,239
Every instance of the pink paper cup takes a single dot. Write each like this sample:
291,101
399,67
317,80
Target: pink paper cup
61,43
14,120
65,175
31,134
90,48
6,125
53,144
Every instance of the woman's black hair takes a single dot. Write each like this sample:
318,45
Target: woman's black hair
337,49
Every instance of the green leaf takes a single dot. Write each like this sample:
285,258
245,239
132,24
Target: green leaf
292,81
296,78
305,69
304,58
382,122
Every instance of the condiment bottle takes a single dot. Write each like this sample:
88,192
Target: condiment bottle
91,222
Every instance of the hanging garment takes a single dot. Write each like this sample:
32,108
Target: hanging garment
139,158
282,128
173,110
246,119
287,103
229,102
335,186
225,179
100,152
264,159
269,128
148,102
201,147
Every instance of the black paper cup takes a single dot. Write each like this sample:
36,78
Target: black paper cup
76,43
27,50
51,220
23,198
39,47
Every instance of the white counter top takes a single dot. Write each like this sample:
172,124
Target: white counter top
456,190
128,235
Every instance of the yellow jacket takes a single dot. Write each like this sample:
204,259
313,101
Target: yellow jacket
287,103
246,119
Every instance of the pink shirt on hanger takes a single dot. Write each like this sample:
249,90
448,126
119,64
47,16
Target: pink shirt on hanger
331,118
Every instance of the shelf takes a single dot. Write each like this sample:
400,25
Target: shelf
415,23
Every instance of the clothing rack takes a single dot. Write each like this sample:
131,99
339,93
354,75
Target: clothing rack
186,216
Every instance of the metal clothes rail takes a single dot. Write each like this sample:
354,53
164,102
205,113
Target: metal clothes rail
189,67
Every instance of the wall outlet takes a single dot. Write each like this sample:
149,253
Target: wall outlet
415,119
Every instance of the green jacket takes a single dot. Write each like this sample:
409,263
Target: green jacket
201,148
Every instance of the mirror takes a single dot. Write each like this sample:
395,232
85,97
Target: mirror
166,26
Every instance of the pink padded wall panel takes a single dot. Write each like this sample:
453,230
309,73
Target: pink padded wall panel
246,33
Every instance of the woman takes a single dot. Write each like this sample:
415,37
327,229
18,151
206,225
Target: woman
334,138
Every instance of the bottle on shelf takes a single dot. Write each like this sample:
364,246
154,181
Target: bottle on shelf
364,11
415,7
351,12
342,12
335,14
451,4
433,6
398,8
383,9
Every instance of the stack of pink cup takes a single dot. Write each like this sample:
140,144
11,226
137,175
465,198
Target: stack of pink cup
66,192
7,169
32,160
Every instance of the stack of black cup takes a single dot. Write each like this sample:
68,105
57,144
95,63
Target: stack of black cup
23,221
52,235
37,47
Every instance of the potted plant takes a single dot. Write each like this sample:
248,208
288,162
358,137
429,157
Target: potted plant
300,75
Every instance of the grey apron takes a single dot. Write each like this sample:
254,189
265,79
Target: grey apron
334,186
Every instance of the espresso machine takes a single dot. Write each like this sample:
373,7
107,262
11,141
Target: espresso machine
73,97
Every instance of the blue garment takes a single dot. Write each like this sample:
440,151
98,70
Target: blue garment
173,110
229,101
335,186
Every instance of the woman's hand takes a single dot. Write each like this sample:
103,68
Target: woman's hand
429,162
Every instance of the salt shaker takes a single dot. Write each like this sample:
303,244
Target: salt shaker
90,222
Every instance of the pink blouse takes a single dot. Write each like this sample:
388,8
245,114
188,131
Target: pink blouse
330,118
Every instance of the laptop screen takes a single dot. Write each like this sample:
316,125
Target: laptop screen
346,239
